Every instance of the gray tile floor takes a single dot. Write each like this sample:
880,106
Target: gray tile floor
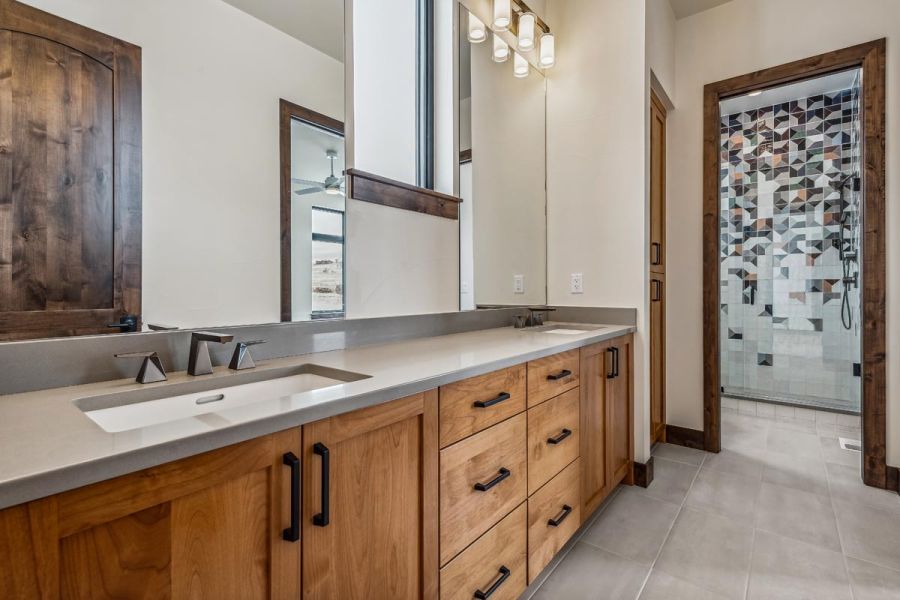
781,512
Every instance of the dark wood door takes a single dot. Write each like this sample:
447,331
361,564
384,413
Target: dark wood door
70,176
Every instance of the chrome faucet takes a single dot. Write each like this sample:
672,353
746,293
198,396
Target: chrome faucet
199,362
241,358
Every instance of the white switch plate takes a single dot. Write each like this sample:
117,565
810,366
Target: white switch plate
464,287
577,284
518,284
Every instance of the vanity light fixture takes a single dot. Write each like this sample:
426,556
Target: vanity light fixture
526,31
477,31
501,50
548,50
502,15
520,65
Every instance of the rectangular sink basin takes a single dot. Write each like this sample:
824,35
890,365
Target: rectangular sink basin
568,329
165,403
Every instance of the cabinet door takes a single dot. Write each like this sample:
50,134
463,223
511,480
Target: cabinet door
657,358
619,394
595,475
209,526
657,186
370,520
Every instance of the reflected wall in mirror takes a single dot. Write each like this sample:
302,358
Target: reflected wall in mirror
140,180
502,177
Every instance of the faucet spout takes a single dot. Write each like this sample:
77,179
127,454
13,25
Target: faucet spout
199,361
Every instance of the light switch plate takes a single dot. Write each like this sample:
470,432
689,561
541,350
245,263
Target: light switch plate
518,284
577,284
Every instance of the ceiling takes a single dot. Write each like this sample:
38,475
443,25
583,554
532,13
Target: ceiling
792,91
686,8
317,23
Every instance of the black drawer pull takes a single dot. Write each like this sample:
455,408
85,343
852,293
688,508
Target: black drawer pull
563,435
292,533
655,253
488,403
504,575
566,511
483,487
613,353
321,519
561,375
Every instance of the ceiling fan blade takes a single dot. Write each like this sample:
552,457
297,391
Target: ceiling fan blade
307,191
308,182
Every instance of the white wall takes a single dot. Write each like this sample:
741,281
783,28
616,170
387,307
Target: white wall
466,240
212,78
729,40
596,145
661,45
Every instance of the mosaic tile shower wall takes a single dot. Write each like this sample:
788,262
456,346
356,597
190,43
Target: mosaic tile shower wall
787,224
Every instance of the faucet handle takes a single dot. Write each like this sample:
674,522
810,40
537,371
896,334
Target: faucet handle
152,370
241,358
211,336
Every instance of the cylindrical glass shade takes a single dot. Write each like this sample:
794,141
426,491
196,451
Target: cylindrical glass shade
502,15
526,31
520,65
548,50
501,49
477,31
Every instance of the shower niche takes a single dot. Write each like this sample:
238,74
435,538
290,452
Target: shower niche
790,225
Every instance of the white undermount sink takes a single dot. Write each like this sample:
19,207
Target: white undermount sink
567,329
233,395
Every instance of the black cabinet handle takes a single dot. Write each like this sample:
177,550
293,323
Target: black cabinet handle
611,372
655,290
321,519
556,521
503,576
561,375
655,253
563,435
483,487
292,533
616,356
488,403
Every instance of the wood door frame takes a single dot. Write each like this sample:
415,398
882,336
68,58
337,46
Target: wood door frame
124,60
288,111
870,57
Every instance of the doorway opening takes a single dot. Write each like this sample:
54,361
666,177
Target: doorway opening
794,243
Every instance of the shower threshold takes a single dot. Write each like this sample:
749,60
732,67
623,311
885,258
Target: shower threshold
834,405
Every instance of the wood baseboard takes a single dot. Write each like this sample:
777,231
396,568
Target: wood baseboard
683,436
643,473
893,479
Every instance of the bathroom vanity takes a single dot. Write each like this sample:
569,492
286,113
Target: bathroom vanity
454,467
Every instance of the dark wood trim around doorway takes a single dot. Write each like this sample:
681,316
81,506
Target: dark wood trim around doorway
288,111
871,58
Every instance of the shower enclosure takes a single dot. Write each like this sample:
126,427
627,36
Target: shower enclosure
790,244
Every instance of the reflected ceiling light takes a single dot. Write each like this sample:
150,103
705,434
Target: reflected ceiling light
502,15
477,31
548,50
520,65
755,93
501,50
526,31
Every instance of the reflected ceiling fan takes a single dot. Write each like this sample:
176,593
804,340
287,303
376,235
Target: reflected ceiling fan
332,185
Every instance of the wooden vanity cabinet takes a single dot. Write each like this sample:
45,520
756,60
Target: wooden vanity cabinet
208,526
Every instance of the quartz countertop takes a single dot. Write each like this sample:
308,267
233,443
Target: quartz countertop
48,445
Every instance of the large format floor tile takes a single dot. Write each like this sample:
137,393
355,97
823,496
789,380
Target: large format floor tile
869,533
728,495
806,474
745,462
871,582
791,570
679,454
710,551
845,483
833,453
800,515
633,526
589,573
671,480
662,586
793,443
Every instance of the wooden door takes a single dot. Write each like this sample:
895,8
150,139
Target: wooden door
657,185
620,430
595,476
372,532
210,526
657,358
70,176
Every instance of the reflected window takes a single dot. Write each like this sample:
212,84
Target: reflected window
327,263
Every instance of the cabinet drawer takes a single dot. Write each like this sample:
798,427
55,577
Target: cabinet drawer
557,502
553,437
483,478
551,376
483,564
474,404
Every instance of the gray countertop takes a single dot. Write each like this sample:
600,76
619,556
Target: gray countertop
48,445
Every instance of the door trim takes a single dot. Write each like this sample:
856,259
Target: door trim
871,58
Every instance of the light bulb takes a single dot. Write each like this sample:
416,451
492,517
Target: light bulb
520,65
501,50
477,32
502,15
548,50
526,31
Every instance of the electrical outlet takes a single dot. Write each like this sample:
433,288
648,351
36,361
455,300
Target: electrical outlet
577,284
464,287
518,284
